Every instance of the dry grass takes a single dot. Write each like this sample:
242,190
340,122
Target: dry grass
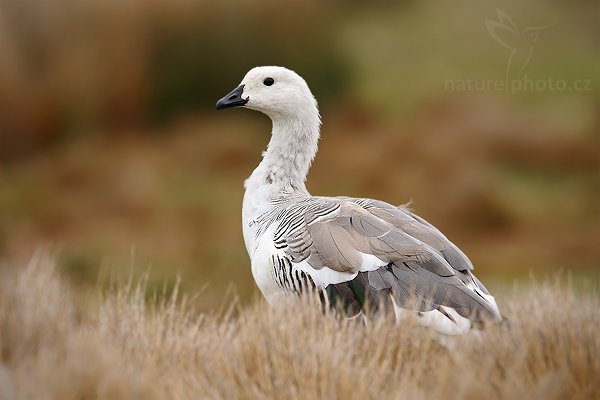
51,347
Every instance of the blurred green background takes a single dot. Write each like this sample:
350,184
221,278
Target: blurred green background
111,152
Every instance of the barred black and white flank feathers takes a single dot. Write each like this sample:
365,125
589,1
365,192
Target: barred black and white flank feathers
355,253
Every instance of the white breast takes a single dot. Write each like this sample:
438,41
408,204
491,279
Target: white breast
262,266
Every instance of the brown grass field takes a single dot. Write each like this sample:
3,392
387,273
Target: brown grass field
132,347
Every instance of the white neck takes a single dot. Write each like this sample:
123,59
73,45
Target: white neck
289,154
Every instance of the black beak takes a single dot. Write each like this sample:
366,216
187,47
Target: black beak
233,99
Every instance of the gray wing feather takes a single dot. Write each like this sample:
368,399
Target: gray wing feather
422,270
434,291
368,227
420,229
338,242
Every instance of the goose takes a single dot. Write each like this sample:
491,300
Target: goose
357,254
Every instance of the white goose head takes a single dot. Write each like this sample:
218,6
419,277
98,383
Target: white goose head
285,97
275,91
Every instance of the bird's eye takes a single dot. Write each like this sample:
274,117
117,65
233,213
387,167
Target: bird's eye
269,81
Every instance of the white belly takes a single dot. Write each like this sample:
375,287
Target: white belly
262,267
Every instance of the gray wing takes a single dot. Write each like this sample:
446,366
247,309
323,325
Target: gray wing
422,230
389,252
341,239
